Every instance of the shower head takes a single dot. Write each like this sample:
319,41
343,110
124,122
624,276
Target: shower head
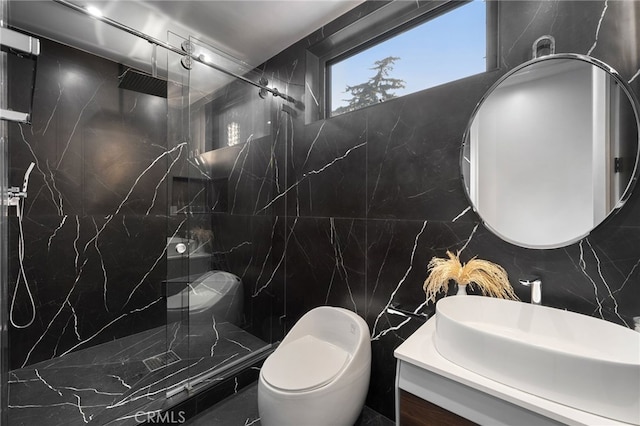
143,83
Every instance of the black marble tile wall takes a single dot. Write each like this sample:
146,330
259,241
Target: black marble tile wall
93,227
373,195
252,249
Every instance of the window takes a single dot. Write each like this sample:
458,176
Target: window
437,47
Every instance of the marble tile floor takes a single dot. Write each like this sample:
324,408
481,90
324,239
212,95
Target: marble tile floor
241,409
108,382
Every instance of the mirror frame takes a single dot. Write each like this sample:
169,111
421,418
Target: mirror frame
634,175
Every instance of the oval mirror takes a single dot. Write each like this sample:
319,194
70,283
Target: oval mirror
551,150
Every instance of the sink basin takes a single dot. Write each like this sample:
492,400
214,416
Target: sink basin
572,359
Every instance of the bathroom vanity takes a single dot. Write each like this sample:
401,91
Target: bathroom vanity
432,390
506,363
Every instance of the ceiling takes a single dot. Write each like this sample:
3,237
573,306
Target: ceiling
240,31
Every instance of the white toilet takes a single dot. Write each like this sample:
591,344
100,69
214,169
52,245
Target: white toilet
319,374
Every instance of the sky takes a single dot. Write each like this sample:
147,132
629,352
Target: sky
449,47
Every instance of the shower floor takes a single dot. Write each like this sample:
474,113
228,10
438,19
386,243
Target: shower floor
110,383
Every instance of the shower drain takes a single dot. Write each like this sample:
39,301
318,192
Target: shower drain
159,361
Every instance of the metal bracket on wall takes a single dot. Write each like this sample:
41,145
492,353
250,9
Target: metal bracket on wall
545,41
24,46
14,195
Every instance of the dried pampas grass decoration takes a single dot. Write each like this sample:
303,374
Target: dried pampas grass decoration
492,279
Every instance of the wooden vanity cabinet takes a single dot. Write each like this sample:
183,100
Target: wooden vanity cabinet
415,411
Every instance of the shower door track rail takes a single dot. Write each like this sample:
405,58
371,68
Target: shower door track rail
190,383
275,92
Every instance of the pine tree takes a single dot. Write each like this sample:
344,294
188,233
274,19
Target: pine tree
377,89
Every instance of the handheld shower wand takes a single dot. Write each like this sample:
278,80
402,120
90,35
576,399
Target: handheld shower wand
18,201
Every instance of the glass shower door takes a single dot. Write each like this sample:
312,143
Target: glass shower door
219,122
225,258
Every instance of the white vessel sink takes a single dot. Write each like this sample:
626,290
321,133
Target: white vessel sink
572,359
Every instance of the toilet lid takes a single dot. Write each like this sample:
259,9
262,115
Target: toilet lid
303,364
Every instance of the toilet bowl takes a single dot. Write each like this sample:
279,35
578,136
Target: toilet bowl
213,295
319,374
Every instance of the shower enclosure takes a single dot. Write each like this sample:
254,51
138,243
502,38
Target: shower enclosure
146,263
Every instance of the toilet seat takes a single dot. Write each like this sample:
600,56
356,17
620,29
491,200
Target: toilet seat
305,364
